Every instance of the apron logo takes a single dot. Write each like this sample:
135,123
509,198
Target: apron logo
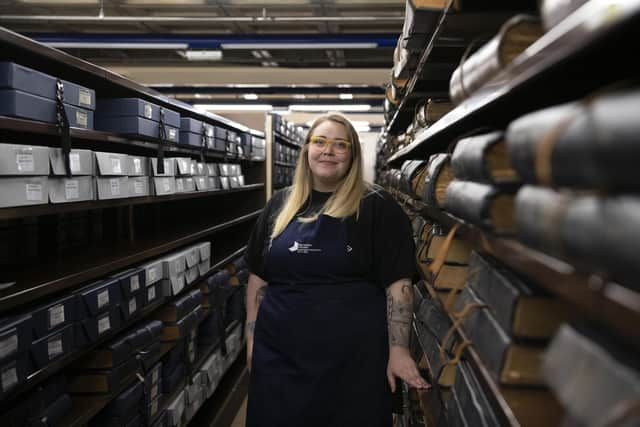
303,248
349,248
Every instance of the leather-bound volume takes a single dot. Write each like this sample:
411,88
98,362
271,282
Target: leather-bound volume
589,144
596,381
519,309
438,177
432,110
174,331
533,406
597,234
420,20
431,315
514,37
409,170
102,381
482,205
451,277
507,361
484,158
471,398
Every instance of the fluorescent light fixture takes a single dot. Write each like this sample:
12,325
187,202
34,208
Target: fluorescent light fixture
358,123
316,107
108,45
275,46
265,54
61,2
256,54
299,96
201,55
346,96
250,96
233,107
362,128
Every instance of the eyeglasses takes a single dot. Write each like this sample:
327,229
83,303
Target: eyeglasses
340,146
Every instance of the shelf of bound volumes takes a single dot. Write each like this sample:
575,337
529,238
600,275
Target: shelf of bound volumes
522,69
524,205
282,148
123,219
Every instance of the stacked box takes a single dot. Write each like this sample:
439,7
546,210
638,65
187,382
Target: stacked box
78,187
219,139
163,184
185,168
230,175
194,396
231,149
98,311
153,280
111,170
175,411
136,117
54,331
15,340
174,368
139,176
205,257
132,286
30,94
122,408
258,149
192,132
24,171
173,268
211,372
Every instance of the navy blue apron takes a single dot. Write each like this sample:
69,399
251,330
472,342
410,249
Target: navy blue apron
320,345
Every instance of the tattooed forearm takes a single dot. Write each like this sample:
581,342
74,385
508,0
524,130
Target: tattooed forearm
260,294
251,327
399,312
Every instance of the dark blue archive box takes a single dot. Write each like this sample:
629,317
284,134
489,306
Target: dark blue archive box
51,347
47,401
121,409
219,139
55,315
135,116
30,94
99,310
15,341
192,131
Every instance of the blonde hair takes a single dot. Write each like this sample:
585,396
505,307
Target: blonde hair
344,202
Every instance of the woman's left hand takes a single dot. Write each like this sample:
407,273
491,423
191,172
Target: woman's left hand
401,365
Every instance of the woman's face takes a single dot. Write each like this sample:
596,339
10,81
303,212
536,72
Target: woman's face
330,163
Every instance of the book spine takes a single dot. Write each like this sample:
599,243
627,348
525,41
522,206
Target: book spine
470,202
468,160
436,164
553,12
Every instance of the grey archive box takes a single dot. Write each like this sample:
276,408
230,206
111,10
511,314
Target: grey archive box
135,116
183,166
111,164
185,185
24,191
80,161
138,186
192,132
138,166
74,189
18,159
163,186
112,187
169,167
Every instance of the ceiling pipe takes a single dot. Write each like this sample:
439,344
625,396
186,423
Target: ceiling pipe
192,20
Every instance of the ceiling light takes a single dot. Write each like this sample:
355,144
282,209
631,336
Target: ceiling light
346,96
201,55
299,96
362,128
67,2
265,54
109,45
250,96
256,54
274,46
233,107
345,107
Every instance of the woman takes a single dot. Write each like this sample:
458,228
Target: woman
329,333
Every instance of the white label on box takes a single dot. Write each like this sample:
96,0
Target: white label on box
180,184
103,298
25,162
84,98
9,345
152,274
34,192
56,315
116,166
132,306
155,376
172,134
167,166
104,324
115,186
148,111
154,392
166,185
54,347
151,293
71,189
9,378
154,408
74,162
134,283
137,166
82,119
138,187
